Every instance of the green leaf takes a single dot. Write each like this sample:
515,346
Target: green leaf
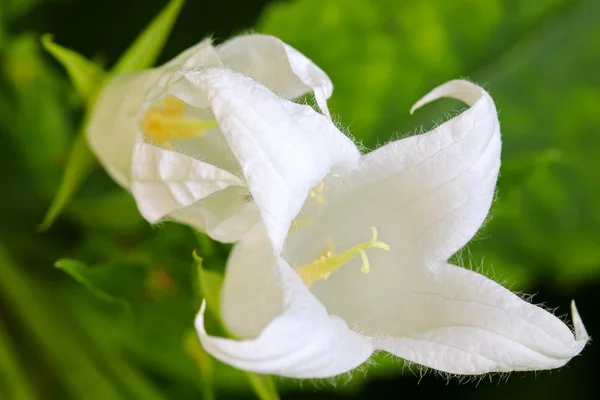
148,45
101,280
78,167
86,75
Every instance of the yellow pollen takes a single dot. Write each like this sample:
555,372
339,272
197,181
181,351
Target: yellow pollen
317,193
328,262
164,123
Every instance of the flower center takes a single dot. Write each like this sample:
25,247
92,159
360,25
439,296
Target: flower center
329,261
166,122
317,194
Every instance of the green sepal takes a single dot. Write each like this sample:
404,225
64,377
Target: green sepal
148,45
85,75
79,164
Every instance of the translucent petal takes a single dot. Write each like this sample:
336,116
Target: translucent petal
113,125
225,215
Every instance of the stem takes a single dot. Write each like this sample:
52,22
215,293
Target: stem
263,386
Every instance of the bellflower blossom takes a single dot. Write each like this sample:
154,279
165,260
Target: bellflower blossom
364,267
199,139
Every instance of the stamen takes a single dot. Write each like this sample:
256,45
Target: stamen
317,193
366,266
167,122
328,262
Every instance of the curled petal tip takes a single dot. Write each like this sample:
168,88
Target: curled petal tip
580,331
459,89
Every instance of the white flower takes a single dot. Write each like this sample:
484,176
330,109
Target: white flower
197,139
333,296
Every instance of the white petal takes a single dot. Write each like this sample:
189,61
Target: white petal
112,135
427,195
284,329
451,171
113,125
278,66
225,215
463,323
164,181
284,148
211,147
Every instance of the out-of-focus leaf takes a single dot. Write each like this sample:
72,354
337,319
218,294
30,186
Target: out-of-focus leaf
7,114
14,381
163,310
15,9
113,282
40,125
78,167
114,211
148,45
2,22
263,386
546,220
48,325
382,56
86,75
131,377
204,362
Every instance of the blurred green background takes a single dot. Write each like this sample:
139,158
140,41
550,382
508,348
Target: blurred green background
130,336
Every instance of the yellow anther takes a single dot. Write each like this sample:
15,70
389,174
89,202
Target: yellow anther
328,262
167,122
317,193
